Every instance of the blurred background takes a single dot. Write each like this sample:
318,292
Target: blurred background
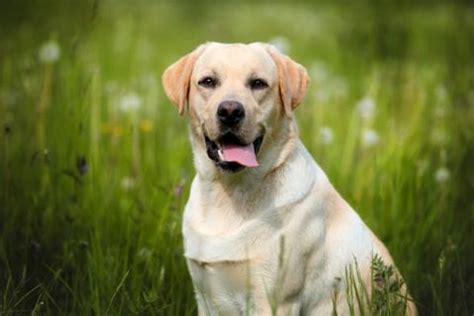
95,165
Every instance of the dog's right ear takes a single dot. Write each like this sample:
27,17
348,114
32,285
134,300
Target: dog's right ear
293,79
176,78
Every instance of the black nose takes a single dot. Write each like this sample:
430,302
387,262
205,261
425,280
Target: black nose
230,113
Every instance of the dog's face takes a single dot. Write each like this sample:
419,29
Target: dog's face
237,96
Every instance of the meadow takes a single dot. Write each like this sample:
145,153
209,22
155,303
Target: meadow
95,164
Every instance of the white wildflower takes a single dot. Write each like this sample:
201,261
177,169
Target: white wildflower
281,43
144,253
326,135
49,52
366,108
130,102
127,183
442,175
370,138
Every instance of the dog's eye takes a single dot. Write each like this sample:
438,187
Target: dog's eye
208,82
257,84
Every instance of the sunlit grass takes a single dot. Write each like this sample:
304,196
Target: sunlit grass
96,164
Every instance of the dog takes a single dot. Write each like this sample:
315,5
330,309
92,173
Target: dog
265,232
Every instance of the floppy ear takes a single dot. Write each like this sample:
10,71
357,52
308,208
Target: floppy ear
293,79
176,79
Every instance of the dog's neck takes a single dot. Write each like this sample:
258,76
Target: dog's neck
286,175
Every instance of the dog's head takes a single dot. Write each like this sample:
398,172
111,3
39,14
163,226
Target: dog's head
239,98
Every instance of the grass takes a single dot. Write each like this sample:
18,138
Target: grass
387,296
96,166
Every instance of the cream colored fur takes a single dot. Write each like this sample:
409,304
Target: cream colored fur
276,235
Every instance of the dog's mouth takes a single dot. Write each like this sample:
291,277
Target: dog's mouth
230,153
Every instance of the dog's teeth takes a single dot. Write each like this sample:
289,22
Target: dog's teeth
221,154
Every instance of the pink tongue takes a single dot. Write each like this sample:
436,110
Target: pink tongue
244,155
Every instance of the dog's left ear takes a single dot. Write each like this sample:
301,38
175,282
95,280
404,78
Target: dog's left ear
293,79
176,78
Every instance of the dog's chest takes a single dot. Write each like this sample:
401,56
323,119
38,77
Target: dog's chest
224,284
228,269
234,287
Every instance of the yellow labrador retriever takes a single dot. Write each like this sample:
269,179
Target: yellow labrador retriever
264,230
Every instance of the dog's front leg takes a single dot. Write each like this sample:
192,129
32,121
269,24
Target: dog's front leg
202,310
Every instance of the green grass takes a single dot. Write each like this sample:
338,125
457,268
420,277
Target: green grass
91,196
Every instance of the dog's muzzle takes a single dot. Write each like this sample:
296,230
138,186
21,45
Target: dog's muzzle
230,153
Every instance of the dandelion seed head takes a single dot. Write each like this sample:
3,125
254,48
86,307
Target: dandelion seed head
370,138
49,52
366,108
130,102
127,183
326,135
144,253
442,175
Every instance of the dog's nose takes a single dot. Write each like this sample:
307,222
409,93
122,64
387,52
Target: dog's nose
230,113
